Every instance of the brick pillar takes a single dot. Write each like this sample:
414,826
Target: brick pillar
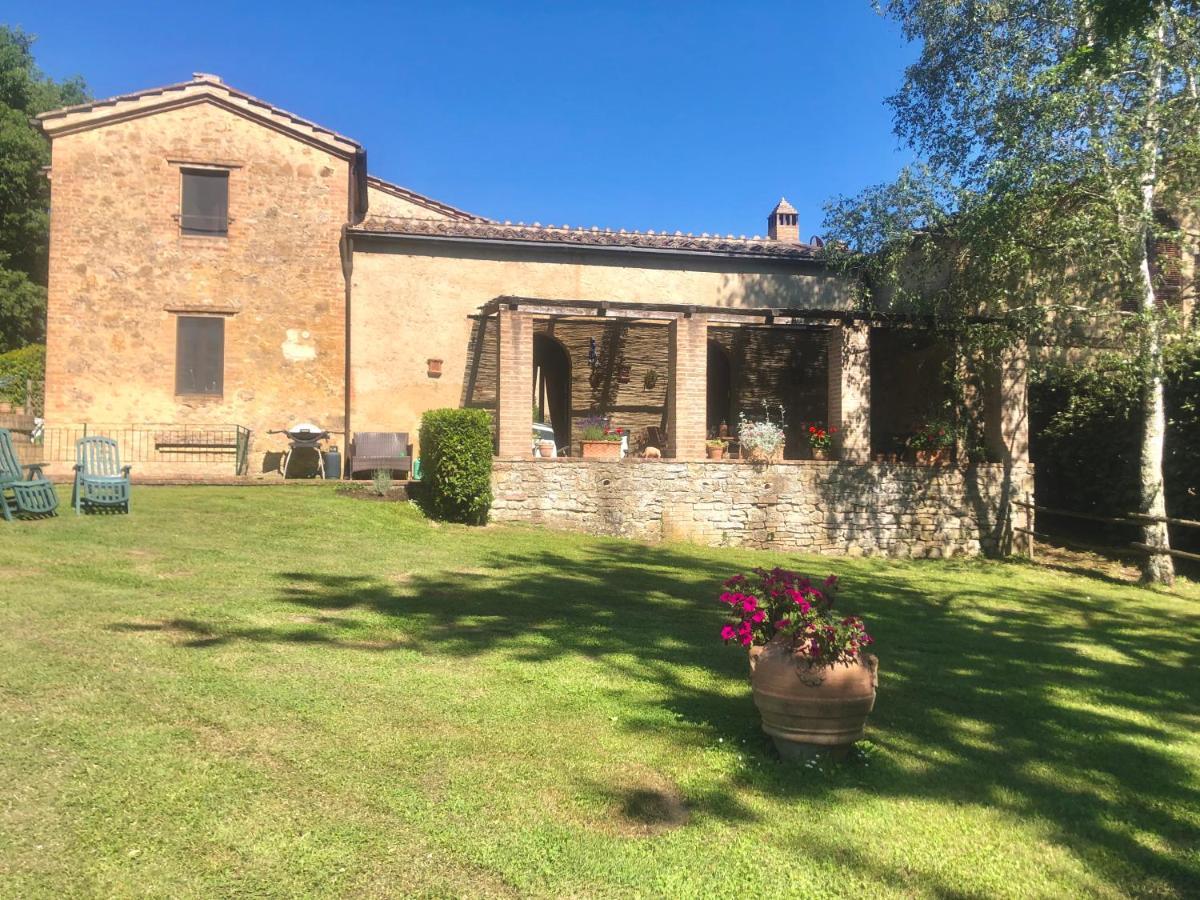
514,418
687,387
850,389
1013,404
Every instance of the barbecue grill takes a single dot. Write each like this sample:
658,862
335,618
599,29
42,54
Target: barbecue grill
304,436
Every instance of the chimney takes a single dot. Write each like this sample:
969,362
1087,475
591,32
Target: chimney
783,224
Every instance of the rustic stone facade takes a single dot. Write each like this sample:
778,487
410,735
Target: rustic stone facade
811,507
357,304
122,272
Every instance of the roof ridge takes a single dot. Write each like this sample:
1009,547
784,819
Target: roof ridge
580,235
210,81
594,229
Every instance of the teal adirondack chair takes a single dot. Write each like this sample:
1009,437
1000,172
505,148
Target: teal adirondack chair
32,496
100,479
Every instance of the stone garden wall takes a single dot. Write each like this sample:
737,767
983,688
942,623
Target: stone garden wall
815,507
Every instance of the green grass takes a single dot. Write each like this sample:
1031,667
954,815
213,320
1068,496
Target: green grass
274,692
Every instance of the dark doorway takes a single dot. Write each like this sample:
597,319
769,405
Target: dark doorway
719,393
552,386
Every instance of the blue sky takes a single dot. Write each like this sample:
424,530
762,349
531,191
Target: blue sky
667,115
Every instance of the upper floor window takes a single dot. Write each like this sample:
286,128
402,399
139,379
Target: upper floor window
200,355
204,207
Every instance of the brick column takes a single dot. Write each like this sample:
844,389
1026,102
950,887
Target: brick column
687,387
1013,384
850,389
514,399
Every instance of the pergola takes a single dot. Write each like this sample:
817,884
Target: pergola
849,369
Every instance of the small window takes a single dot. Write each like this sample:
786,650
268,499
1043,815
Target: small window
200,355
204,208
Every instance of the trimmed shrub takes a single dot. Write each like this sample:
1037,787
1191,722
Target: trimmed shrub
456,464
17,369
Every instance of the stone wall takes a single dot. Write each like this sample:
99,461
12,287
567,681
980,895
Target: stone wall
814,507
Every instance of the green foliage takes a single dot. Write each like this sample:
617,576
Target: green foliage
1086,428
456,463
24,189
17,369
381,481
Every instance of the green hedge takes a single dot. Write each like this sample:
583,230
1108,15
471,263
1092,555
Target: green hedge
456,464
17,369
1086,436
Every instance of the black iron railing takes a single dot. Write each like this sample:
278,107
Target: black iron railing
153,442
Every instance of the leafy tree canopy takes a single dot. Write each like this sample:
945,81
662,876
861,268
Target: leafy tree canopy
1060,142
24,189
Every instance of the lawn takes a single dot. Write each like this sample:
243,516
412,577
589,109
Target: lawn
274,692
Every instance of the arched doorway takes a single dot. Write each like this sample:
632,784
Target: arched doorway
552,386
720,399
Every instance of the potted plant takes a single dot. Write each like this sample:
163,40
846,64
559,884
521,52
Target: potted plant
934,442
813,681
714,449
761,440
820,440
599,439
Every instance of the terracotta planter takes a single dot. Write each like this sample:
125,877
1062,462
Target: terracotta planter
546,449
759,456
933,457
601,449
714,452
811,709
822,455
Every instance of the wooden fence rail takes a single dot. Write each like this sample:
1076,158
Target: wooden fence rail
1135,519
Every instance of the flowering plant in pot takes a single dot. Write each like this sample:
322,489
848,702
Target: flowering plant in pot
714,449
761,440
820,439
934,442
599,439
813,681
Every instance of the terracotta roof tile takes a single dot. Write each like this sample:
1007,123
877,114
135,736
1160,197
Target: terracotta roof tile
593,236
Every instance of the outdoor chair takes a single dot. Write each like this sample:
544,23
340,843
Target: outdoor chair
371,450
32,496
101,482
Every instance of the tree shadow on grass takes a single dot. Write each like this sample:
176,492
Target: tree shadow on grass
1056,707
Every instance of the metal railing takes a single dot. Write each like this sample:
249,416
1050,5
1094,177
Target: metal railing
153,443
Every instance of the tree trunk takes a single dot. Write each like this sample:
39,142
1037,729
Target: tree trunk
1159,568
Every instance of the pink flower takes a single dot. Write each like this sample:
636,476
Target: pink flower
727,633
747,640
749,604
782,623
759,616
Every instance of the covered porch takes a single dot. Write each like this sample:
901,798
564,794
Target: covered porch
676,375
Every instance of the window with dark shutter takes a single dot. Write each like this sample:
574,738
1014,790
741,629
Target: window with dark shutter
200,355
205,205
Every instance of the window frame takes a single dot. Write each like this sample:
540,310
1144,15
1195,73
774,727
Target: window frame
204,171
180,390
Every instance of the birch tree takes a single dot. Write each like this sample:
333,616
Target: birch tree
1058,152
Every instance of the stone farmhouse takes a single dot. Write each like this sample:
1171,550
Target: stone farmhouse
221,267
